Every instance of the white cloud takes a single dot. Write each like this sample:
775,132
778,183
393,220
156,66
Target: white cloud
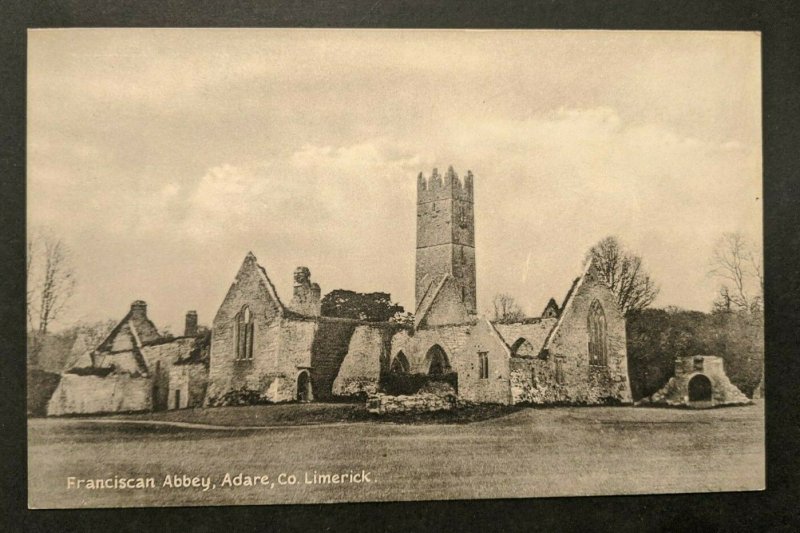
154,151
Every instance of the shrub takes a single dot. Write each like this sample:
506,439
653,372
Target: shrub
41,386
243,396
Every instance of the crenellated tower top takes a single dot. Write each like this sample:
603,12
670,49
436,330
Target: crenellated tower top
446,235
446,187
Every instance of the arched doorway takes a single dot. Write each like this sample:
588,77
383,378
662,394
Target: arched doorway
700,389
400,364
437,362
304,392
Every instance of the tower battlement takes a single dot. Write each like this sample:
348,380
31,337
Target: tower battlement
447,187
446,234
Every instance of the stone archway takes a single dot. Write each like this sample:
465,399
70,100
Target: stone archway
304,389
400,364
437,362
700,389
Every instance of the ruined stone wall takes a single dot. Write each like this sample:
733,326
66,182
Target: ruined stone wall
533,380
584,383
159,359
416,345
293,354
471,386
360,371
228,373
462,343
123,362
676,391
412,403
534,331
332,339
191,380
77,394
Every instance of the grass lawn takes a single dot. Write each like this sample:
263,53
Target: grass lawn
525,453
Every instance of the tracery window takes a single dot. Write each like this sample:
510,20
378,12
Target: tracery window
597,335
244,332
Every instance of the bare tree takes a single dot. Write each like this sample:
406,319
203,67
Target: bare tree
737,263
50,278
623,272
506,309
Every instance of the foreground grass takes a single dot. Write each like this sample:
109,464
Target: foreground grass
532,452
307,414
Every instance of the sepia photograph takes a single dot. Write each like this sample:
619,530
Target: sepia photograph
296,266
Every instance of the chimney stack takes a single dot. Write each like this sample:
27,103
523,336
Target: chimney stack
139,309
191,324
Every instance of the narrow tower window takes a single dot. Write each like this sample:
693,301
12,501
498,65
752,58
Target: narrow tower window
483,362
597,334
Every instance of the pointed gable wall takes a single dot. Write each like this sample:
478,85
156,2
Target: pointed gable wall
568,345
253,289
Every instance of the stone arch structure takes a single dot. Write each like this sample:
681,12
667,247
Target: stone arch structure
523,347
436,361
400,364
596,326
700,388
305,392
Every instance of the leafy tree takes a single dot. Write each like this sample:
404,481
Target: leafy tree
506,309
404,319
370,307
624,273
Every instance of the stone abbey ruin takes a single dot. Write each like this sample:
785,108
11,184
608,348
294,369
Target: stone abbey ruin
260,349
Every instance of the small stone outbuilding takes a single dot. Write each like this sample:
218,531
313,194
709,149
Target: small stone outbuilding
136,369
699,382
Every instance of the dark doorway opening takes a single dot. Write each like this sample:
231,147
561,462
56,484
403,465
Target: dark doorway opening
304,392
400,365
700,389
438,365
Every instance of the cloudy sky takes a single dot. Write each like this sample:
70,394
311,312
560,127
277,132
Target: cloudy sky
162,157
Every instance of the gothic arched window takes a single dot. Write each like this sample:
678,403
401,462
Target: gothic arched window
245,328
597,334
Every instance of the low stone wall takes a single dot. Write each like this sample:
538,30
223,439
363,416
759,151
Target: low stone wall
77,394
432,397
415,403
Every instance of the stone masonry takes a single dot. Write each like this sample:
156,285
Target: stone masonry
699,381
573,354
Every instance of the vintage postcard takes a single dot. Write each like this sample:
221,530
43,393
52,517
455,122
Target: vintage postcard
273,266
